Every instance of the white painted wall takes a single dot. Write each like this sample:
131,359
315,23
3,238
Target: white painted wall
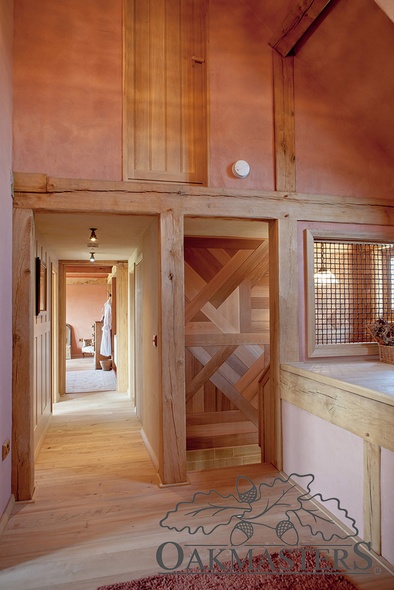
387,506
333,455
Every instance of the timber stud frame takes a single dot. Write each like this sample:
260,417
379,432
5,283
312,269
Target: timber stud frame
171,203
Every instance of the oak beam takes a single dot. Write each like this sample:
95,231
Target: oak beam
284,123
62,319
302,15
22,361
283,318
121,326
172,464
214,203
372,496
30,182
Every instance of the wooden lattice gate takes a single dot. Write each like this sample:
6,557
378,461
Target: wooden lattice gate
227,339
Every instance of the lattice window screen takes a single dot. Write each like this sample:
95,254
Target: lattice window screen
359,290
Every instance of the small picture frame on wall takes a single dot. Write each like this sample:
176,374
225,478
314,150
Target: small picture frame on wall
41,286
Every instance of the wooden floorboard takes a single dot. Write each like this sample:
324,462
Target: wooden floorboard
95,516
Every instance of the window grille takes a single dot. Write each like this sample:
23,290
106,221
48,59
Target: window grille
354,286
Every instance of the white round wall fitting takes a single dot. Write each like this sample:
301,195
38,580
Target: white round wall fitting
241,169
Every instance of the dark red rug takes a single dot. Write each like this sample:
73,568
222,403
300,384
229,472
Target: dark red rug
298,574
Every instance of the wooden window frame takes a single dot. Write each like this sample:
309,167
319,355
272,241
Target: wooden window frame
314,350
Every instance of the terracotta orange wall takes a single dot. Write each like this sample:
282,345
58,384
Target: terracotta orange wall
344,105
68,88
5,243
84,304
68,94
240,90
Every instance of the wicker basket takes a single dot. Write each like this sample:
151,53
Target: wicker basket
106,365
386,353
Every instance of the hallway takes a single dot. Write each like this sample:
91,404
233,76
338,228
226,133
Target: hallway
82,377
95,516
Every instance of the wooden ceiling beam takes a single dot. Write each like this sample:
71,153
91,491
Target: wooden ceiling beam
388,8
297,22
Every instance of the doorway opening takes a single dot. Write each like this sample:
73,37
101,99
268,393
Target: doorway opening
88,303
77,314
227,340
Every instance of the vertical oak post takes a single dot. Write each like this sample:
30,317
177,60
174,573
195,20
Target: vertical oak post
62,328
372,496
122,326
283,320
22,364
172,347
284,125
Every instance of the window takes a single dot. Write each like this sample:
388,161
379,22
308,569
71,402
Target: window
350,285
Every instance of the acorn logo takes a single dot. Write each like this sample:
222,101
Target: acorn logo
287,532
242,532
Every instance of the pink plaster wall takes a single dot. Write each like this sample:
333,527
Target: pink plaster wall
240,91
68,88
343,103
333,455
84,305
387,506
5,243
68,94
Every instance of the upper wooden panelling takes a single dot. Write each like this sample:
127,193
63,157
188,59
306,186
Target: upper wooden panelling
164,135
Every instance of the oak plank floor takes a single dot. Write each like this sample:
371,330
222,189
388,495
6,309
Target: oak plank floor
95,516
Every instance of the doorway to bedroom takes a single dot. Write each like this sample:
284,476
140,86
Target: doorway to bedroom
89,358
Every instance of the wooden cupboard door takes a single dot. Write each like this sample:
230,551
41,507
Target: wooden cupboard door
165,90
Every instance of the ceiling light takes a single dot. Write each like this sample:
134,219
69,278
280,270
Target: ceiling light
92,259
324,276
93,237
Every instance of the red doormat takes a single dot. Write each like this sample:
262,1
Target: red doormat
300,574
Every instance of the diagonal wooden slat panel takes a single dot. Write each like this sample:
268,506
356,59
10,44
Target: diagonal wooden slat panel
244,270
237,365
220,254
228,390
252,374
226,370
203,262
260,271
209,369
218,319
222,277
249,353
245,302
230,309
193,282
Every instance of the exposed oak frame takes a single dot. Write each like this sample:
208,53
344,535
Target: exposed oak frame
171,202
302,15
